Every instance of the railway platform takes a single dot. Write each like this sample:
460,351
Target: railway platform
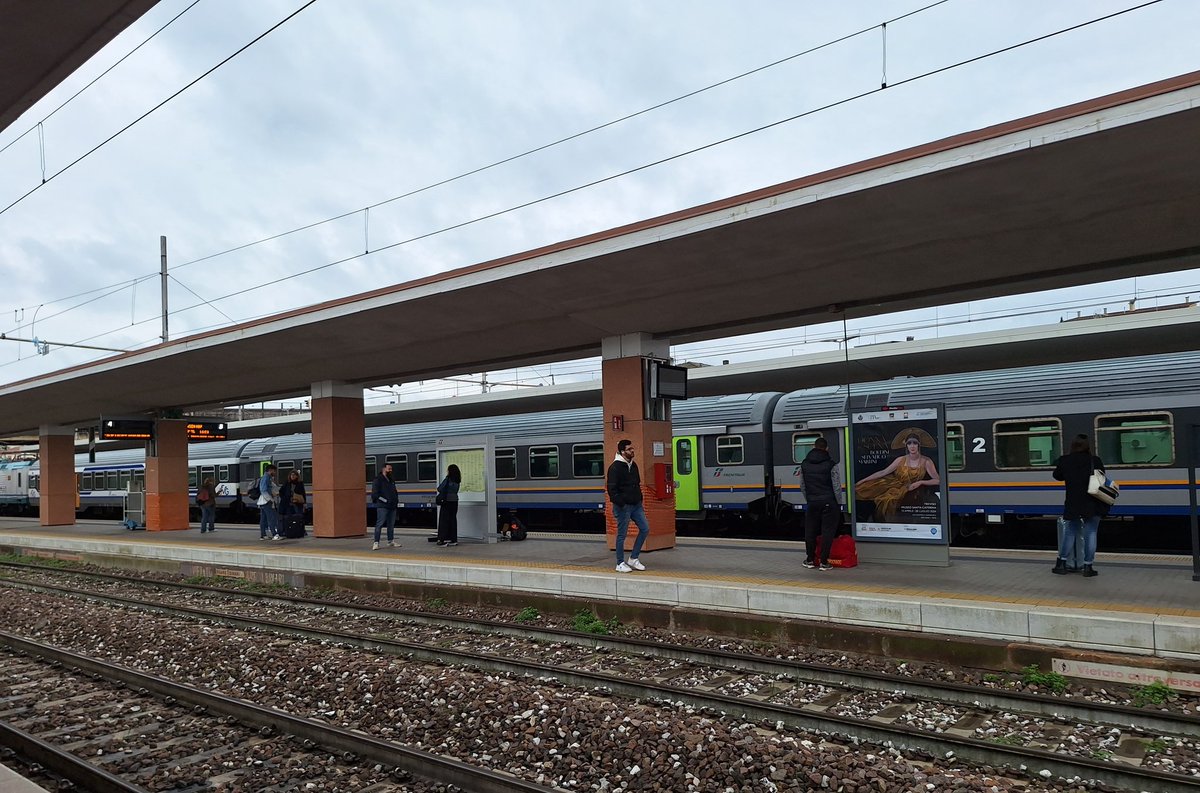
1139,604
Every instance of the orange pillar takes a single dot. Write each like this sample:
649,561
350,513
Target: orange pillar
57,488
339,450
167,477
623,373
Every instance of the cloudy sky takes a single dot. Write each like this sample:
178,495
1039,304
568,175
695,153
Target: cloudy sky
351,103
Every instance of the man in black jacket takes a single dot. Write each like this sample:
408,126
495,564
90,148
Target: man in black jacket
823,510
625,491
386,500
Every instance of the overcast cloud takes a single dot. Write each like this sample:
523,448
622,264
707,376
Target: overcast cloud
353,102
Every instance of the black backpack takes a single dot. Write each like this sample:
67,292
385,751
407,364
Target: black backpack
254,492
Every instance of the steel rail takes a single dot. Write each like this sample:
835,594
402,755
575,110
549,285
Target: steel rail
935,744
78,771
443,770
956,693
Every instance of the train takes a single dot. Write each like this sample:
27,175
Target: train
736,459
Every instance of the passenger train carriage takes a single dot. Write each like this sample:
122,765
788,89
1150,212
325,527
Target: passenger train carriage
736,458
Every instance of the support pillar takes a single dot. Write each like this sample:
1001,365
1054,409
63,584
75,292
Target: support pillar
625,392
339,450
58,489
167,477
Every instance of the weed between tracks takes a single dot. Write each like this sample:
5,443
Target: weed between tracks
585,621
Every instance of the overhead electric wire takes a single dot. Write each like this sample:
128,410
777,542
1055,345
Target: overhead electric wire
645,166
100,76
544,147
568,138
131,124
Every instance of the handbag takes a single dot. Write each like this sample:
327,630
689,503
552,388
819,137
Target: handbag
842,552
297,498
1101,488
439,499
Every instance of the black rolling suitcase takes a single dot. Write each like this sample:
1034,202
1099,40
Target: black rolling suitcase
293,526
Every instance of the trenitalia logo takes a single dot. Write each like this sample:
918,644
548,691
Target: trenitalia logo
717,473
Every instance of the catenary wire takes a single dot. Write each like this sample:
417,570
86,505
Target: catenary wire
679,155
544,147
97,78
131,124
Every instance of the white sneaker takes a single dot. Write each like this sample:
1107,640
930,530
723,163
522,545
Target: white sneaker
391,544
375,546
277,537
636,564
624,568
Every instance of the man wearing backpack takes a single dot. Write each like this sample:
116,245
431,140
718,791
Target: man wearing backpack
206,499
268,497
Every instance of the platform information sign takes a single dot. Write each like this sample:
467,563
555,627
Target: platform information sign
471,463
207,431
898,457
126,429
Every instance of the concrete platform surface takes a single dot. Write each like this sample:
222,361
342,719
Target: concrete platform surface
1140,604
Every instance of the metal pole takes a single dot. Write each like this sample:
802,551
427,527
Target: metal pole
162,245
1194,452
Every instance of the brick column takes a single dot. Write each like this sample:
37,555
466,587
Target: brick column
167,477
57,488
624,392
339,449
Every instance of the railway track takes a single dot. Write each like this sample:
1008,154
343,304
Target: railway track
108,728
979,724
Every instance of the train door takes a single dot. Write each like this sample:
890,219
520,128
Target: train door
687,474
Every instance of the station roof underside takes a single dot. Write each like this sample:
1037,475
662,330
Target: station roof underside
43,41
1096,191
1142,333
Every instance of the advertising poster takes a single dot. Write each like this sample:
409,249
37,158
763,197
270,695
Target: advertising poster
898,458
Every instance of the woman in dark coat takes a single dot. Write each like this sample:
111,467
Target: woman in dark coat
292,496
1081,512
448,511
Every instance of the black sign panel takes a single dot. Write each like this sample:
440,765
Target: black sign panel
668,382
126,429
207,430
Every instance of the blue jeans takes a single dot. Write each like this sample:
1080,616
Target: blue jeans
623,513
208,518
1070,528
268,520
385,515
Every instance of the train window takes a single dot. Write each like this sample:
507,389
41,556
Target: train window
506,463
86,482
802,444
35,482
683,456
956,455
1029,443
223,473
140,478
193,476
78,482
371,472
306,471
543,462
1135,439
124,480
207,472
587,459
114,480
730,450
427,467
282,469
399,463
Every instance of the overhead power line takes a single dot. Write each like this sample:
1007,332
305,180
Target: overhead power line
836,103
546,146
131,124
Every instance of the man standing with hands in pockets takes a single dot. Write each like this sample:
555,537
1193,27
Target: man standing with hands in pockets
625,491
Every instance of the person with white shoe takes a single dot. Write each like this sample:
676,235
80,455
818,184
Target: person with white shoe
625,491
386,501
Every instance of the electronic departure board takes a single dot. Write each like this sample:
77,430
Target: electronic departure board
207,431
126,429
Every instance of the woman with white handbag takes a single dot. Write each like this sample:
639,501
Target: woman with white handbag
1081,511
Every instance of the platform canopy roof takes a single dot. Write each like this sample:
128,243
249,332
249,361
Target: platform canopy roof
1099,190
43,41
